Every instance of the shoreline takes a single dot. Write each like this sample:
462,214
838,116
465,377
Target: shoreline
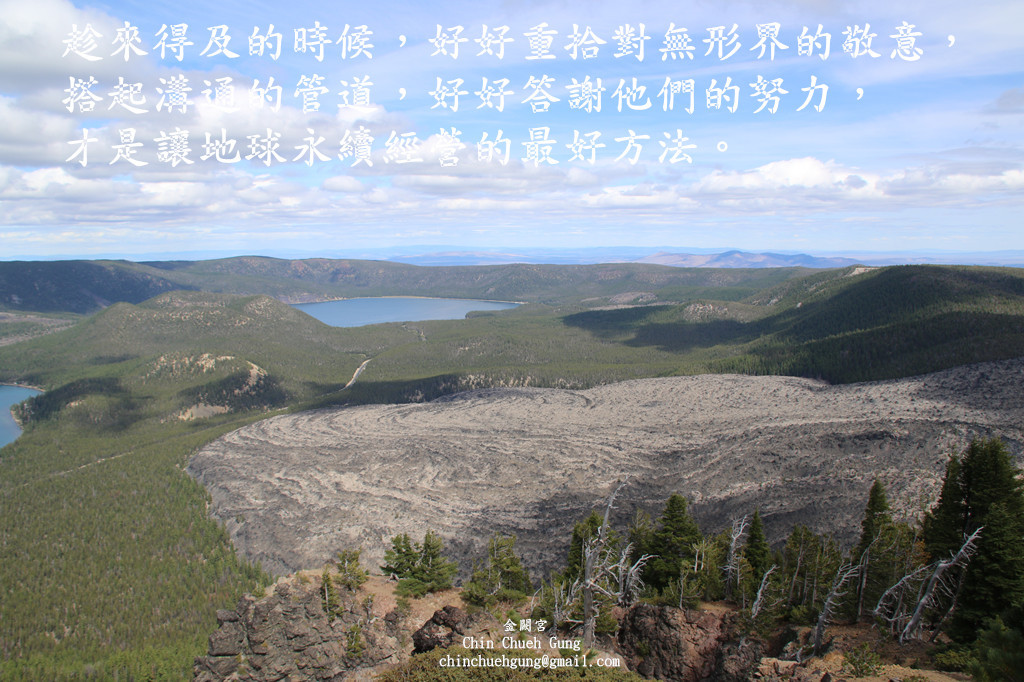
432,298
34,388
14,417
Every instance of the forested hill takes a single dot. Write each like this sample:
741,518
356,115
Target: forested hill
588,325
848,325
87,286
78,286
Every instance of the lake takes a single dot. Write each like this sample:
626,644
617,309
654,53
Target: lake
356,312
9,395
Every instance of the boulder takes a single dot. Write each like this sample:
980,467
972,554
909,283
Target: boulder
442,630
685,645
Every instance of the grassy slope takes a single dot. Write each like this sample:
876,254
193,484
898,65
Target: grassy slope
114,562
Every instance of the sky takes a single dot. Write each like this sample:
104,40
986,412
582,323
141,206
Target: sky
128,128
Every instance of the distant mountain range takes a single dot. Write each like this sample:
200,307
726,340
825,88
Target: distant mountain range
722,257
744,259
726,259
685,257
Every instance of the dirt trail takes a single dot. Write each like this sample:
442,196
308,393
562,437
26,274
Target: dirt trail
359,370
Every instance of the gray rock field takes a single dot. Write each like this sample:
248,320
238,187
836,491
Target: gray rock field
294,489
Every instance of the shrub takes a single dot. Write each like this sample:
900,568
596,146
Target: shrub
354,644
421,568
954,659
350,574
863,661
502,579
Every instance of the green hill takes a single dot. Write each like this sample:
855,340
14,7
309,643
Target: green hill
77,286
86,286
842,327
553,284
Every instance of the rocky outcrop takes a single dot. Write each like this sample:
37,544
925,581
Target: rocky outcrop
774,670
667,643
442,630
288,635
738,658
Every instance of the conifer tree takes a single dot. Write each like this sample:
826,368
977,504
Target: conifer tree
1000,648
672,543
350,574
432,569
329,595
944,524
641,534
420,568
401,558
995,575
876,516
809,562
581,532
875,551
986,494
796,556
757,551
502,578
702,575
608,576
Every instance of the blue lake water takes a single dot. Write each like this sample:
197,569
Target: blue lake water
356,312
9,395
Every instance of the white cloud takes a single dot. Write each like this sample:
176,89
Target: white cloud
920,147
803,186
343,183
789,182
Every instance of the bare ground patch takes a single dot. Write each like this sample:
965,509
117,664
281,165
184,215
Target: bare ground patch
293,489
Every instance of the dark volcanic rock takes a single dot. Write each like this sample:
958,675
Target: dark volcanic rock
287,635
667,643
229,640
738,659
441,630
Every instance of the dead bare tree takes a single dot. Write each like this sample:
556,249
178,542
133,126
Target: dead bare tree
761,593
627,577
602,563
606,571
864,565
732,563
701,550
700,554
894,607
835,593
566,596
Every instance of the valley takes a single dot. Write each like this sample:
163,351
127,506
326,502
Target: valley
738,388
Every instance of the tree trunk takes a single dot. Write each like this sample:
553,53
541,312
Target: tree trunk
796,572
862,586
843,574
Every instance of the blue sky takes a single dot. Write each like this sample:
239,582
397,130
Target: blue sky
912,151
